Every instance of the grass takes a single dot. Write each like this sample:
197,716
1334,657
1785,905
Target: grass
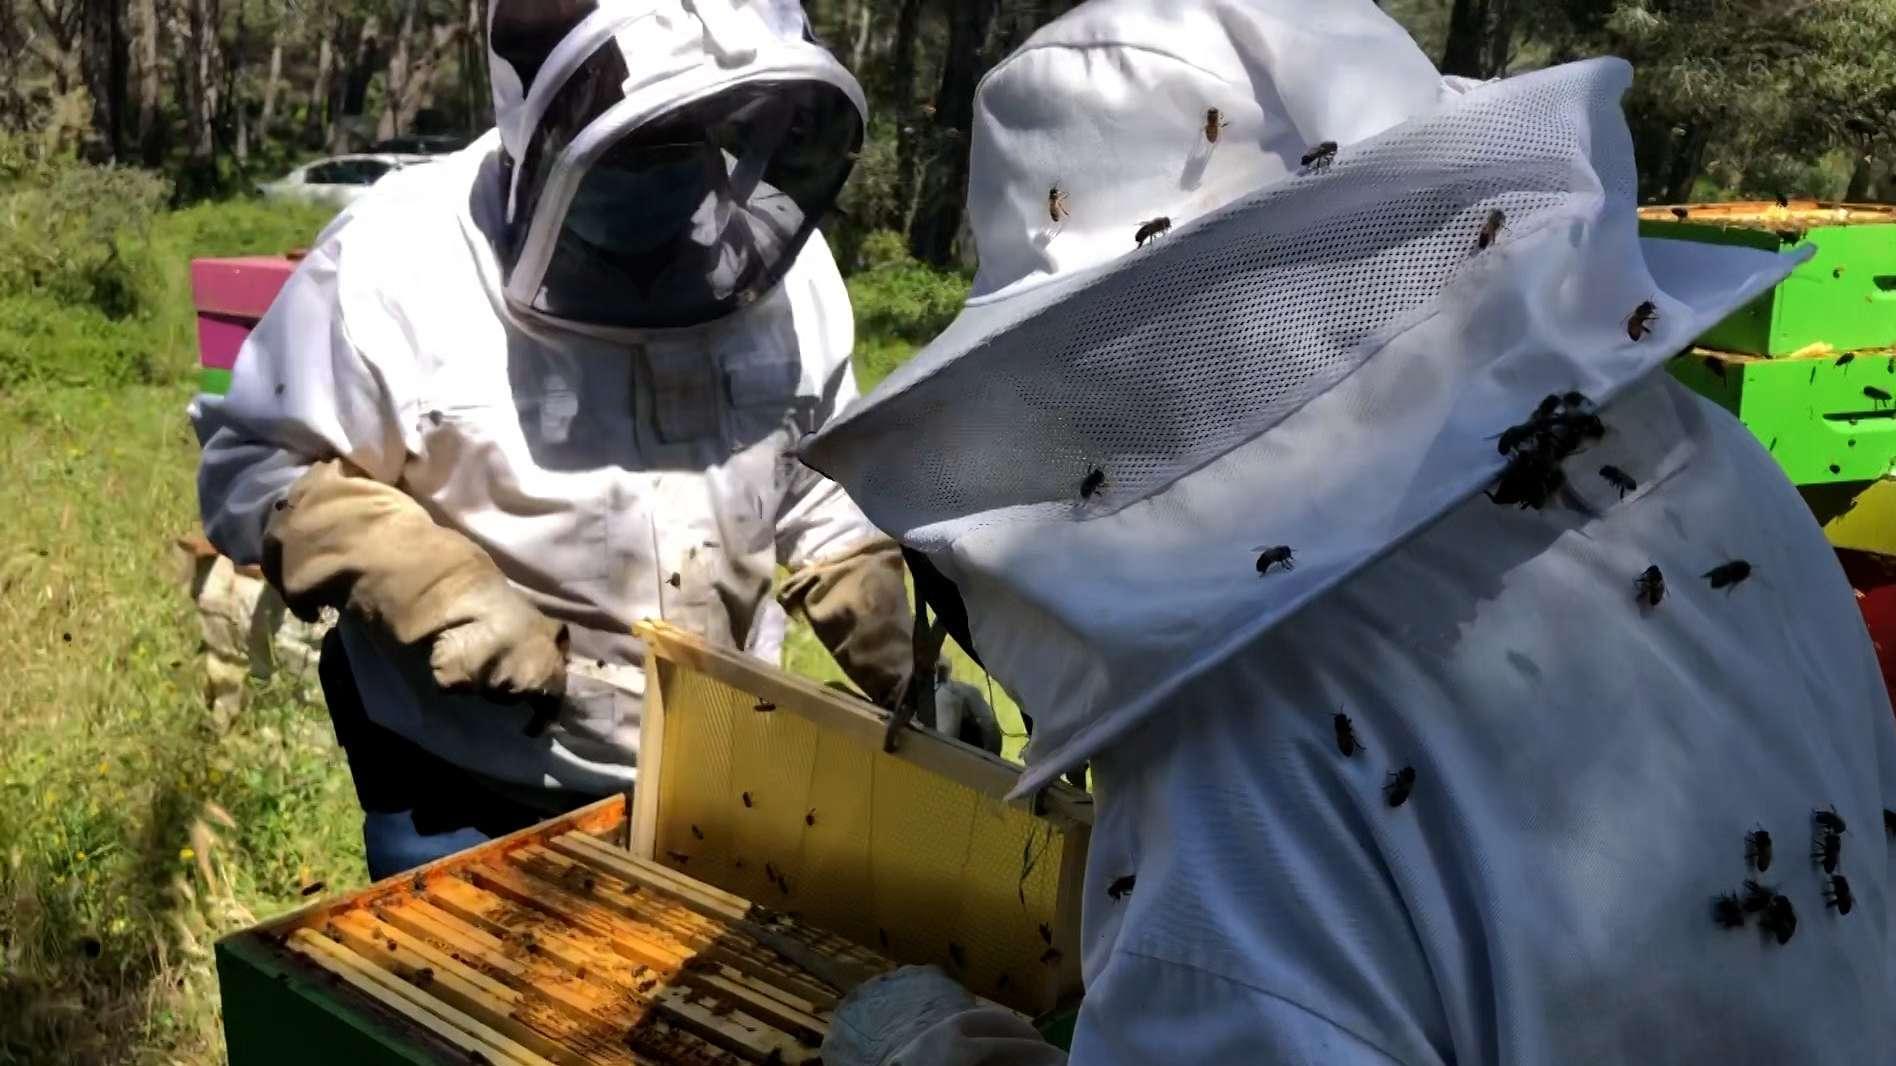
135,827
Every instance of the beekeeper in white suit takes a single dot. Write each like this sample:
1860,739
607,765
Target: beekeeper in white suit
1265,439
519,399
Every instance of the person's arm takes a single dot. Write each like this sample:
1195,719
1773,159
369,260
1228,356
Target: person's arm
298,473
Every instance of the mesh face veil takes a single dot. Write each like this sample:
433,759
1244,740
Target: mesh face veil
666,160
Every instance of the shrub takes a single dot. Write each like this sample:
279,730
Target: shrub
45,341
901,298
72,232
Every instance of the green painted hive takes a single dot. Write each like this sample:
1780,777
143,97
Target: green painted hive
1844,297
1826,418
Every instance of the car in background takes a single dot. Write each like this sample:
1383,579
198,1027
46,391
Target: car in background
421,144
338,180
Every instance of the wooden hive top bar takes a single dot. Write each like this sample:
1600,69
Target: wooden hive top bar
557,946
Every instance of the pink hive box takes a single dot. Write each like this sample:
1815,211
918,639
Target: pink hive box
230,296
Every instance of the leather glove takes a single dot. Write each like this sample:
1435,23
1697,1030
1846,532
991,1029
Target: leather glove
962,713
859,608
342,539
919,1016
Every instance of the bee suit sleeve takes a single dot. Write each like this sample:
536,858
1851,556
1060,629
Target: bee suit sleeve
846,577
298,470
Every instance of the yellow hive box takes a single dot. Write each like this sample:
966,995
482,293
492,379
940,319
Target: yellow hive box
777,856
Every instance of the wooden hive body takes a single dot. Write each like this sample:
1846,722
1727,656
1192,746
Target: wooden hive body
560,945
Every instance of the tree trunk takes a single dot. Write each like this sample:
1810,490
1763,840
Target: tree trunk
356,70
859,54
272,81
316,123
1685,164
1860,174
908,23
1480,38
105,57
944,185
399,71
910,130
197,80
151,88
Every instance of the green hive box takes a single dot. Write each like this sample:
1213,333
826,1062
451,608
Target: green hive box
1812,413
1845,296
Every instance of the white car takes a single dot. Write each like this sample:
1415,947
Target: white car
338,180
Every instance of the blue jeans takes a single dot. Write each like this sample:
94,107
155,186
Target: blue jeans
416,806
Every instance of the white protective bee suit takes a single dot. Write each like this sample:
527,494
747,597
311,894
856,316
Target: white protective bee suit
499,415
1322,358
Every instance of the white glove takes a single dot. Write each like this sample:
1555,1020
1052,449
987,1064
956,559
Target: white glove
883,1015
918,1016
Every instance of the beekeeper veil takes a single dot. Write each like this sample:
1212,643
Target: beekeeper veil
665,160
1258,291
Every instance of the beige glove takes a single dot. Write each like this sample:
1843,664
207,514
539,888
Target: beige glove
341,539
859,608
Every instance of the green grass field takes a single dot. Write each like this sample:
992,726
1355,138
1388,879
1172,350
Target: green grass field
134,827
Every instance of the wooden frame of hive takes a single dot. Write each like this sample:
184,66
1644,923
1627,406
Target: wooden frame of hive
560,945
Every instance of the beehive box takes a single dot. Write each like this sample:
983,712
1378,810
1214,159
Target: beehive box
1844,297
776,857
229,296
1820,415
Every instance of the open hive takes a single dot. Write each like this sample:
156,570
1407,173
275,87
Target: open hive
561,945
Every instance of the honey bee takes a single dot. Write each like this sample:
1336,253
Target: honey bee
1716,366
1889,822
1876,395
1758,896
1214,124
1319,157
678,857
1619,479
810,818
1680,213
1783,200
1121,887
1827,851
1280,556
1780,919
1151,229
1641,323
1837,894
1845,359
1346,741
1057,205
764,706
1490,230
1829,820
1051,956
312,888
1729,575
1728,912
1400,784
1758,849
1650,587
746,798
1093,483
1046,932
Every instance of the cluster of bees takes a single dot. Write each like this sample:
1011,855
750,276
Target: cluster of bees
1776,915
